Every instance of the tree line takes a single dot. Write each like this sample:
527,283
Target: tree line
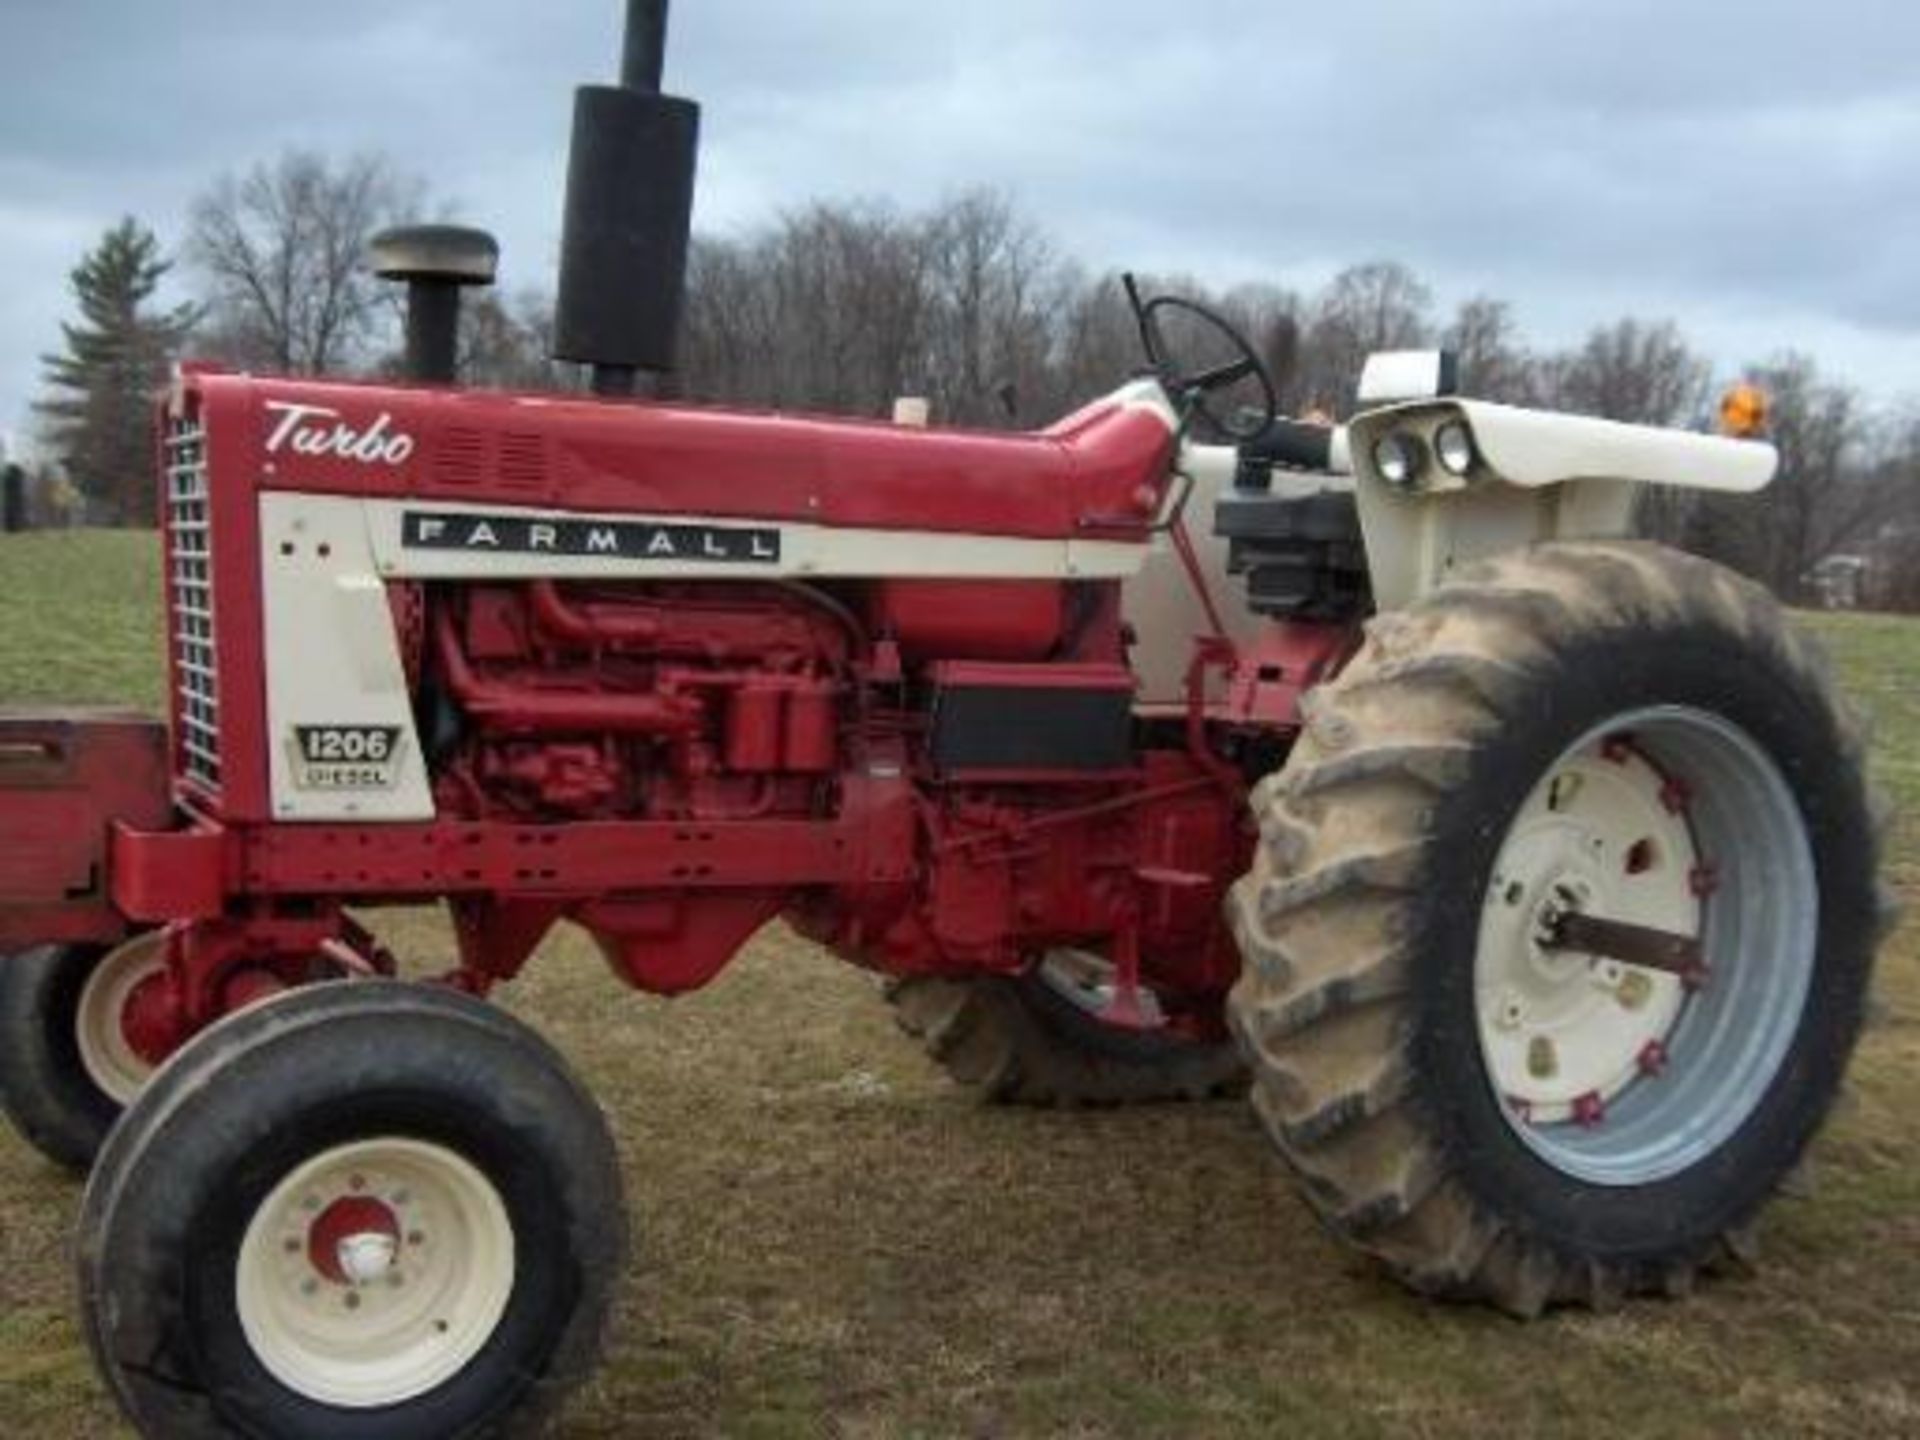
841,307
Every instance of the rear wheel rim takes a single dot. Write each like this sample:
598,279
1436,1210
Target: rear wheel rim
375,1272
1090,984
1673,818
107,1053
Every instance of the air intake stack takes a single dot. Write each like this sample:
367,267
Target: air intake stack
436,262
623,253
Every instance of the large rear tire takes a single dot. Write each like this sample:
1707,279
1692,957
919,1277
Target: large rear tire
1036,1040
1615,730
68,1060
366,1208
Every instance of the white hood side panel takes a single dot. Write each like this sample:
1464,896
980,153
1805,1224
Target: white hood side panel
340,732
438,540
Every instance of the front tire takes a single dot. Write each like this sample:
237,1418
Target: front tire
69,1058
1616,730
360,1208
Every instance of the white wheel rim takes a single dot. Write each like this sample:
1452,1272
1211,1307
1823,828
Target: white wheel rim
1638,1093
99,1021
375,1272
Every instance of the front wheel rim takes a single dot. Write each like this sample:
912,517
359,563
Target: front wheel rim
1673,818
375,1272
107,1051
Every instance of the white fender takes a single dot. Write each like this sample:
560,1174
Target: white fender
1536,476
1532,448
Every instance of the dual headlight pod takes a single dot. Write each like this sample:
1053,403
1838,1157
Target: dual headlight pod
1400,455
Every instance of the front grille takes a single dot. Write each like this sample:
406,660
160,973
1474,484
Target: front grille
190,585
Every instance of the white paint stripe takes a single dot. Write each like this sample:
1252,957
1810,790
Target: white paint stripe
805,550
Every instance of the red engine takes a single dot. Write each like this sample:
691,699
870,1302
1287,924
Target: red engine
543,703
1029,812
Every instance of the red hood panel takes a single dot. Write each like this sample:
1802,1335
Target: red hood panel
1105,464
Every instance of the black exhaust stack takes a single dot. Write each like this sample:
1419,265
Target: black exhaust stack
623,254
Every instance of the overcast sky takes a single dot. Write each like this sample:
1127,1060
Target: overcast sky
1748,169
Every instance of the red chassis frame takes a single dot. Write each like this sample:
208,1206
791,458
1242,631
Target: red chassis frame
253,905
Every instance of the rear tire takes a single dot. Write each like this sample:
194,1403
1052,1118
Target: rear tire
65,1067
1383,971
365,1208
1023,1042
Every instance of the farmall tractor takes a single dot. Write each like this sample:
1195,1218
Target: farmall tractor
1526,871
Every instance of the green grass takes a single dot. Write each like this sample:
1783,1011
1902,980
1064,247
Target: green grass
832,1242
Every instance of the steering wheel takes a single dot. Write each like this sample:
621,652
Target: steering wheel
1190,392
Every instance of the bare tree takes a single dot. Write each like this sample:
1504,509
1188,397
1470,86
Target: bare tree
1378,306
1494,365
1893,547
996,291
281,252
844,307
824,310
1096,342
727,337
1632,370
507,343
1642,373
1834,490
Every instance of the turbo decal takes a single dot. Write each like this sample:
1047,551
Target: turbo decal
318,431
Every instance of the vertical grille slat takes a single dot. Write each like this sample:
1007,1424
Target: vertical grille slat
190,581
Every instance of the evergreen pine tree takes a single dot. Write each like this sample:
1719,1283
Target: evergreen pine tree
100,414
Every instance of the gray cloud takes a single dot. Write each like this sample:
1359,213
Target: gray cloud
1749,174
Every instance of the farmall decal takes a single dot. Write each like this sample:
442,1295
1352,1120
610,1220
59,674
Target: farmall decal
612,539
345,757
319,432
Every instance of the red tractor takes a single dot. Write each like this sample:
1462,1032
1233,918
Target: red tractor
1527,872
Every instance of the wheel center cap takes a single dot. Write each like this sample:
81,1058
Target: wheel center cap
354,1241
1568,894
366,1256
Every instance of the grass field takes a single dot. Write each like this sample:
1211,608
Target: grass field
832,1242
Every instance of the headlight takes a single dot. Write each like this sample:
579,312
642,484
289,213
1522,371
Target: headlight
1398,458
1453,447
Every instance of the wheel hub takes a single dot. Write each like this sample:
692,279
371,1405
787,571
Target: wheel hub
1565,1031
355,1241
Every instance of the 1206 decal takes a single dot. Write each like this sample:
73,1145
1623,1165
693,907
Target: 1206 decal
345,757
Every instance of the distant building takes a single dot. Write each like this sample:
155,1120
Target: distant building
1840,581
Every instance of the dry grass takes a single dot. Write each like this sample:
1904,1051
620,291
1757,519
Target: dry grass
833,1242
